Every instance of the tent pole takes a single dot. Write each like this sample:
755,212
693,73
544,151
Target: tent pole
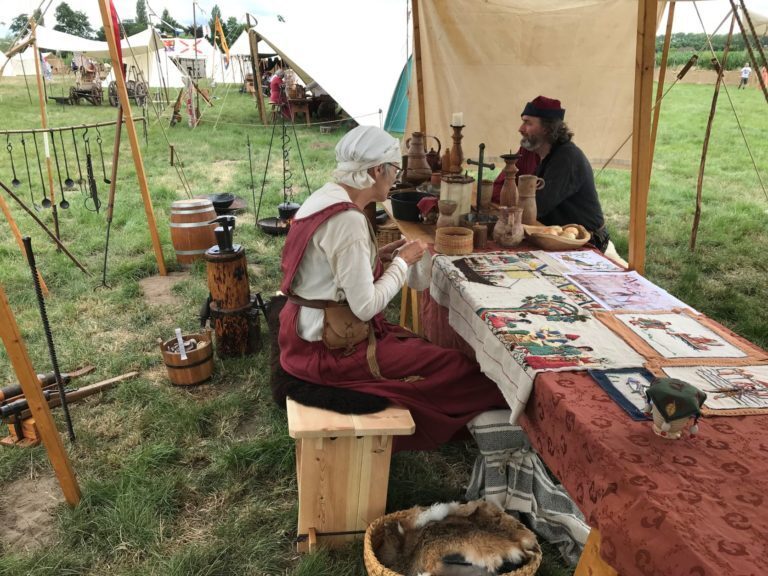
122,93
705,146
662,75
640,179
44,125
30,385
759,49
253,42
417,61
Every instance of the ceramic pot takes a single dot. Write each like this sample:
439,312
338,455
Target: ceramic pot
527,185
509,231
446,208
418,169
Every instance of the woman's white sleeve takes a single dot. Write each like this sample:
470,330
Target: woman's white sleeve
352,269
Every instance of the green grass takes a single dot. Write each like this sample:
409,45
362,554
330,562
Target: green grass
202,481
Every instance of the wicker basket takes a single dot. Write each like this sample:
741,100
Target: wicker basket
453,240
374,536
387,232
553,242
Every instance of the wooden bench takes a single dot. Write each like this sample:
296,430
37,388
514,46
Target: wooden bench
342,469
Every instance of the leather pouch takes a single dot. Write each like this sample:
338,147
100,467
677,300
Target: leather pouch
341,328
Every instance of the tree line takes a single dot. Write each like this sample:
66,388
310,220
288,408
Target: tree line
76,22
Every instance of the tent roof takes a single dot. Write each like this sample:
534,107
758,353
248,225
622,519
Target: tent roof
242,46
359,65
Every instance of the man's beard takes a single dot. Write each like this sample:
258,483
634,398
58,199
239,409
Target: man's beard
530,144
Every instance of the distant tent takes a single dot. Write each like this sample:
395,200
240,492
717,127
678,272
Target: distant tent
145,51
397,115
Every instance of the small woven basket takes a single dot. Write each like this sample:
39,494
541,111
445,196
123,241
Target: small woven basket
385,234
374,536
453,240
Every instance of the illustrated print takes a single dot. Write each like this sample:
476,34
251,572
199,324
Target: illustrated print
679,335
728,387
625,291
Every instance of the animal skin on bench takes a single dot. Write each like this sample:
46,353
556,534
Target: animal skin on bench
339,400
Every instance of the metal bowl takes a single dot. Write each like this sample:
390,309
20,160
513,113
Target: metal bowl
221,202
405,205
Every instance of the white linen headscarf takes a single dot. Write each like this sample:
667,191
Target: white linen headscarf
362,148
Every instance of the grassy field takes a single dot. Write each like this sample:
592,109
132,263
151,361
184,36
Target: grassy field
201,481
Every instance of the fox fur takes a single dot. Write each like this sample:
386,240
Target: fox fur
474,539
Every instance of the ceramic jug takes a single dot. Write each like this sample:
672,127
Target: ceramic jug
526,190
433,156
418,170
509,231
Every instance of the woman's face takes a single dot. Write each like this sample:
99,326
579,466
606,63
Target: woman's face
385,176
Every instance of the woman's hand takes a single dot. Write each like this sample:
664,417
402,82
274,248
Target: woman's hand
385,252
412,251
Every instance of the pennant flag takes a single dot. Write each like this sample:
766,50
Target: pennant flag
116,30
223,41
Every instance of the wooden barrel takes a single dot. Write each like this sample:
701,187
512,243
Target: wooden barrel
191,234
198,366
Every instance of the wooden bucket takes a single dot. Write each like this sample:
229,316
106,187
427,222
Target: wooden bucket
198,366
191,234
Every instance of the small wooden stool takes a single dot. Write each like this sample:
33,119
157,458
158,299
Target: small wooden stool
342,468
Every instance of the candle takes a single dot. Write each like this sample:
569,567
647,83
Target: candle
457,119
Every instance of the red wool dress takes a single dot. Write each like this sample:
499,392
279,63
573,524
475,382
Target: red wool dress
449,392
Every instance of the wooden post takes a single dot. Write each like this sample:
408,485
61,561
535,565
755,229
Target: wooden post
30,385
660,84
641,130
122,93
419,72
758,45
705,147
44,124
253,42
17,234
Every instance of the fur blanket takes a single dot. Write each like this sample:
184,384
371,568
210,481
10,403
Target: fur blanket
306,393
473,539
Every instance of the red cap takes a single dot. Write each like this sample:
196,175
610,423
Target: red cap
544,107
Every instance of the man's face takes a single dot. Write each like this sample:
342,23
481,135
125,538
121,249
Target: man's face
532,132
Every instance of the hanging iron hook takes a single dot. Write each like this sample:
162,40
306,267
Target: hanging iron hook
85,135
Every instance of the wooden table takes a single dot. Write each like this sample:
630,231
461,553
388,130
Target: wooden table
301,106
662,507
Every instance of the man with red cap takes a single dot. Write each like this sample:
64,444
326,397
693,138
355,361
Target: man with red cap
569,195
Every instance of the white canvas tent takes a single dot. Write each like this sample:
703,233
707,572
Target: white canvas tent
146,53
358,65
144,50
22,64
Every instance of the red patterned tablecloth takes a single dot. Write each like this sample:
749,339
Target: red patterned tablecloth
689,507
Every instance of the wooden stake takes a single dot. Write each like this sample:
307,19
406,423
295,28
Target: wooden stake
419,72
44,124
253,42
660,85
640,179
122,93
26,376
705,147
17,234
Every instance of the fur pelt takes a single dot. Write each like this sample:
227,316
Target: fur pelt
473,539
327,397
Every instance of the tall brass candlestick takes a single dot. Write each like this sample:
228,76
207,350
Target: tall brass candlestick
457,155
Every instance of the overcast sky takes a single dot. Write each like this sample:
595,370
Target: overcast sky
686,20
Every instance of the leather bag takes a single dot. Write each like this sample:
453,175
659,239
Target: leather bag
341,328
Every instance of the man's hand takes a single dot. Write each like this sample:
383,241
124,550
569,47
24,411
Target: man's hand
385,252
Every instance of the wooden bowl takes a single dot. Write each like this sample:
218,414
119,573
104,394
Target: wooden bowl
553,242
